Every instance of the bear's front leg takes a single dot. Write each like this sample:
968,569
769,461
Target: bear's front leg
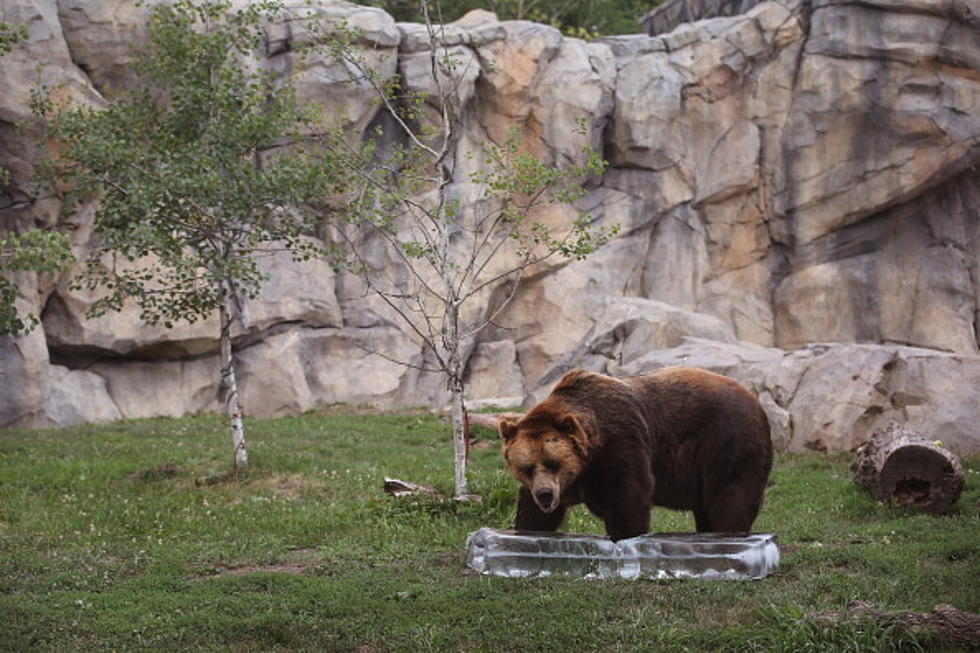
622,497
626,518
532,518
624,526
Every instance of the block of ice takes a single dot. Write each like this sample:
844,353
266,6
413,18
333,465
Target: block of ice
716,556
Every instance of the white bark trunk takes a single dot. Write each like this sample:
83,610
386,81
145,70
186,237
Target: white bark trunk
460,445
230,384
454,382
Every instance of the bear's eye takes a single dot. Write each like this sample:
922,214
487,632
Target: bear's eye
552,465
528,470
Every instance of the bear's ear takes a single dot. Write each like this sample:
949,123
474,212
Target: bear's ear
568,424
507,427
572,427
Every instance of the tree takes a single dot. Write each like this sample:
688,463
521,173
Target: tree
194,182
35,250
450,251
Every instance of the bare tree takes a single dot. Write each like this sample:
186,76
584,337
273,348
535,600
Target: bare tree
456,237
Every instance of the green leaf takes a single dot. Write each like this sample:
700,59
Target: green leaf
37,250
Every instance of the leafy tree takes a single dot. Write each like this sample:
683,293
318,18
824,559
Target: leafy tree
193,181
35,250
450,253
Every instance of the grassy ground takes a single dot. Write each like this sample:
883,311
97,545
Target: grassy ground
100,549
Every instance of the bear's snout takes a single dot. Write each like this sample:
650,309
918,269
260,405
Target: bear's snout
546,499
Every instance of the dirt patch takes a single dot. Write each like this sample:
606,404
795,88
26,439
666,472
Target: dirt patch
298,562
285,487
293,568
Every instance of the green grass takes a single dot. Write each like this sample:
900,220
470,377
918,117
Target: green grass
99,550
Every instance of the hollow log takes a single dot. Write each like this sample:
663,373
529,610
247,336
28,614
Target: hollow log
900,466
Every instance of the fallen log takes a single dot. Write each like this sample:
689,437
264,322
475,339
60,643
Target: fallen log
898,465
945,623
488,420
400,489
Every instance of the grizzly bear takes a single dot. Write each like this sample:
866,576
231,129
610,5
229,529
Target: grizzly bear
681,437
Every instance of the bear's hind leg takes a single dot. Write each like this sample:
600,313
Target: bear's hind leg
731,510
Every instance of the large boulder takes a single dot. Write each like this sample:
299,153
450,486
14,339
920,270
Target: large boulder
626,333
300,369
24,381
162,388
823,397
493,375
74,334
24,359
839,395
77,397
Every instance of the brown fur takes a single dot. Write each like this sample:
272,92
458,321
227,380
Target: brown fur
680,437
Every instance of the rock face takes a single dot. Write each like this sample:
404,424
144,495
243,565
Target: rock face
669,15
784,173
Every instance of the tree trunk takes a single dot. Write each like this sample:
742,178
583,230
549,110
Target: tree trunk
454,384
461,445
458,417
230,386
898,465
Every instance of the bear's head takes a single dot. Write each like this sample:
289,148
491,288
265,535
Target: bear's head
546,452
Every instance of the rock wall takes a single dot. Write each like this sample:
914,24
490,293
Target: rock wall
802,172
668,15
